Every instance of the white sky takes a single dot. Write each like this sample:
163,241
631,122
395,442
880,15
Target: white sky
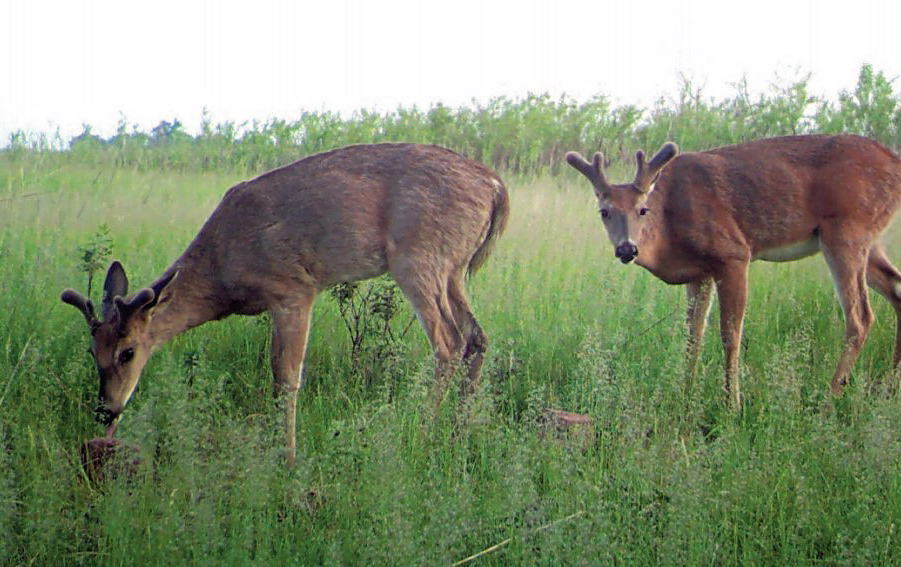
92,61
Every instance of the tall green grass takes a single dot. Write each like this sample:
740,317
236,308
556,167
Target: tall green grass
658,478
661,477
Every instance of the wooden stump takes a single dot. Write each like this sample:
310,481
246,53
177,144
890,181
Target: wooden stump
565,420
566,425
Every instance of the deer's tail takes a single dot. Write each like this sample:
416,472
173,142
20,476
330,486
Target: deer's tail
500,211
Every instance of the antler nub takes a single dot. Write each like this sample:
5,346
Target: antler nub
127,308
593,171
81,303
647,172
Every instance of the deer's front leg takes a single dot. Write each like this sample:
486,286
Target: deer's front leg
732,291
290,329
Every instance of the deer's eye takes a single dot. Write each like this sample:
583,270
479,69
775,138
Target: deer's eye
642,211
605,213
126,355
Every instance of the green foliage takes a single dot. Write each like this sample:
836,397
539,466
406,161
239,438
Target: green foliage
871,110
662,476
95,254
369,310
526,136
658,478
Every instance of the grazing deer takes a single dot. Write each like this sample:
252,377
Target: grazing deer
702,220
423,213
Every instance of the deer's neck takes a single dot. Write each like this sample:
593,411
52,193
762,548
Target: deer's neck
661,254
190,300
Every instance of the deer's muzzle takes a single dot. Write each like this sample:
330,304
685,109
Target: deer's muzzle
626,252
104,415
108,418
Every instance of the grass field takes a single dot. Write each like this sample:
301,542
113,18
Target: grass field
662,477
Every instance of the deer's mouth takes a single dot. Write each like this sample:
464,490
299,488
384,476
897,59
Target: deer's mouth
108,418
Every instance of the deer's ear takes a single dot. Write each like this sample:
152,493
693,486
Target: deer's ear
115,285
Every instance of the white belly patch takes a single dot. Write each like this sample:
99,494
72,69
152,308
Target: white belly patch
789,252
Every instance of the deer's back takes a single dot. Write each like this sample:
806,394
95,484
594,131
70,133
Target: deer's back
779,190
337,216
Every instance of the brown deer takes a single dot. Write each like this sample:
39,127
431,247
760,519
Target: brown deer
700,218
423,213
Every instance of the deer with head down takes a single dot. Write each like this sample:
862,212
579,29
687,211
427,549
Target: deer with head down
423,213
700,218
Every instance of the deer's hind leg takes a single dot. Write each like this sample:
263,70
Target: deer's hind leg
885,279
848,262
427,290
476,341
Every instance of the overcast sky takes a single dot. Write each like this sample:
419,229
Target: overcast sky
93,61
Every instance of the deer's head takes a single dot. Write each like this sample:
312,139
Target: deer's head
120,341
624,207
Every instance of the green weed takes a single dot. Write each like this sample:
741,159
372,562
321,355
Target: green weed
662,476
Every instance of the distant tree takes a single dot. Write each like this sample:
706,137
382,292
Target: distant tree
86,139
166,133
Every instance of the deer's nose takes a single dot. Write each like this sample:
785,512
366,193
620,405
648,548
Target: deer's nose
626,252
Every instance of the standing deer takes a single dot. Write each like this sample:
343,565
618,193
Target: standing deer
423,213
702,220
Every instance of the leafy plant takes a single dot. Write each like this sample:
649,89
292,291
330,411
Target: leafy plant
95,254
368,310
